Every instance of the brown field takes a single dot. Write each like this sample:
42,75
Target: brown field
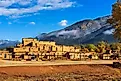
60,73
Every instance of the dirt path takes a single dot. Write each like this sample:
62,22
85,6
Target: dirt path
5,63
60,73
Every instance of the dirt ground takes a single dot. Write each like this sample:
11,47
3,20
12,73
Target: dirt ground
60,73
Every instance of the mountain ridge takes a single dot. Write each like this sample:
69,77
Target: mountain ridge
82,32
7,43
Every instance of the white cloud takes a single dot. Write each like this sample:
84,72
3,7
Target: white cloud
71,32
16,7
109,32
32,23
63,23
9,23
24,2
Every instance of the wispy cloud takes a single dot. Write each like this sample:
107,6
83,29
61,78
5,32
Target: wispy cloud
32,23
14,8
9,23
63,22
108,32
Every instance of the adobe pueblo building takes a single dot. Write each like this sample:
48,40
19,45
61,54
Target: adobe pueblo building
32,49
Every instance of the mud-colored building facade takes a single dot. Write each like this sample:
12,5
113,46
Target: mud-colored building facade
32,49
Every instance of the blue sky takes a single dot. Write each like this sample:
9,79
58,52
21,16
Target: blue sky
29,18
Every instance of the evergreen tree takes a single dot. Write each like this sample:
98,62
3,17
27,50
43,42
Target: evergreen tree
115,21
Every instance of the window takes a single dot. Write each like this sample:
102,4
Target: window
43,47
35,44
39,49
5,55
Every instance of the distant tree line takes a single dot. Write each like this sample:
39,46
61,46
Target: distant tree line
100,47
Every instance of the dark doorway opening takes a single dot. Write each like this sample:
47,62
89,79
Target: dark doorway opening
67,55
5,55
22,56
33,57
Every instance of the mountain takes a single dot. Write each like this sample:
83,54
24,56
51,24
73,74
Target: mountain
82,32
7,43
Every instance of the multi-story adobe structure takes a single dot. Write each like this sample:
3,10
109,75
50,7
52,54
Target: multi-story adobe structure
32,49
